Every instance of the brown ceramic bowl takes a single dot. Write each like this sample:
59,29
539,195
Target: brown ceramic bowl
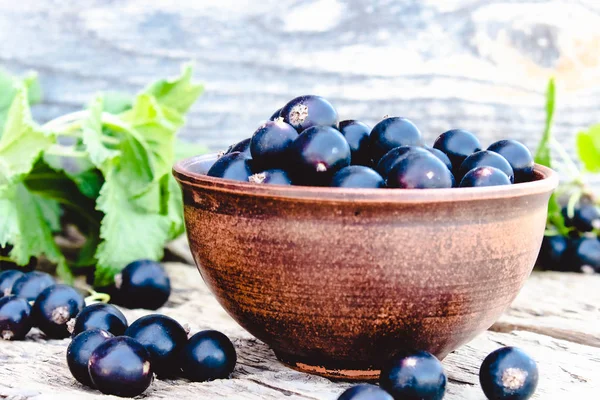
336,280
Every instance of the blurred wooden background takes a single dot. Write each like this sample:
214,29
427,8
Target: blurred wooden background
476,64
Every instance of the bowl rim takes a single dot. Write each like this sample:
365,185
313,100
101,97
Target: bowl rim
547,181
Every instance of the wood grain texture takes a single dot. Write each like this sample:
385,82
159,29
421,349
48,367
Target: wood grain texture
36,369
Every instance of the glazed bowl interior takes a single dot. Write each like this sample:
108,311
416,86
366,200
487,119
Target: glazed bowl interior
336,280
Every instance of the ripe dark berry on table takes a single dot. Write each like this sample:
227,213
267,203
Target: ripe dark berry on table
357,176
235,166
270,144
357,136
393,132
54,307
484,158
508,374
441,155
392,157
457,144
306,111
208,355
31,285
163,337
100,316
420,171
143,284
240,147
7,279
80,350
586,217
272,177
518,156
414,376
552,253
365,392
484,176
15,318
585,256
120,366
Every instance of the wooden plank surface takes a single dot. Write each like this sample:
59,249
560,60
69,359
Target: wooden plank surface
36,368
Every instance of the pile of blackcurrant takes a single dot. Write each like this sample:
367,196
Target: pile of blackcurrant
303,143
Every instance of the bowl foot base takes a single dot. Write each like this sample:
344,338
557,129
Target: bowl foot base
331,373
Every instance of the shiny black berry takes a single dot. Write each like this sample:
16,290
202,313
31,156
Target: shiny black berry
518,156
54,307
317,154
31,285
99,316
275,115
7,279
143,284
208,355
272,177
392,157
306,111
508,374
586,217
585,255
484,176
365,392
457,144
441,155
270,144
164,338
120,366
235,166
15,318
414,376
420,170
357,176
552,256
485,158
393,132
79,351
357,136
240,147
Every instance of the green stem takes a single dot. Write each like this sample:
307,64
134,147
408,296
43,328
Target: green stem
95,296
65,151
3,258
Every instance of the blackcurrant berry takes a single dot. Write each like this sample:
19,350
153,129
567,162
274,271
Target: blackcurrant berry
553,252
306,111
392,157
272,177
518,156
275,115
585,256
143,284
120,366
441,155
163,337
414,376
484,176
586,217
100,316
357,176
208,355
15,318
420,171
7,279
508,374
393,132
357,136
235,166
485,158
54,307
30,285
79,351
365,392
318,153
457,144
270,144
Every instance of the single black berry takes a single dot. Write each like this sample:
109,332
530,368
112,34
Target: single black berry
272,177
163,337
586,217
457,144
240,147
208,355
420,170
270,144
235,166
414,376
100,316
79,351
15,318
484,158
31,285
441,155
518,156
143,284
54,307
7,279
357,176
393,132
120,366
357,136
306,111
392,157
552,253
585,256
484,176
365,392
508,374
317,154
275,115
